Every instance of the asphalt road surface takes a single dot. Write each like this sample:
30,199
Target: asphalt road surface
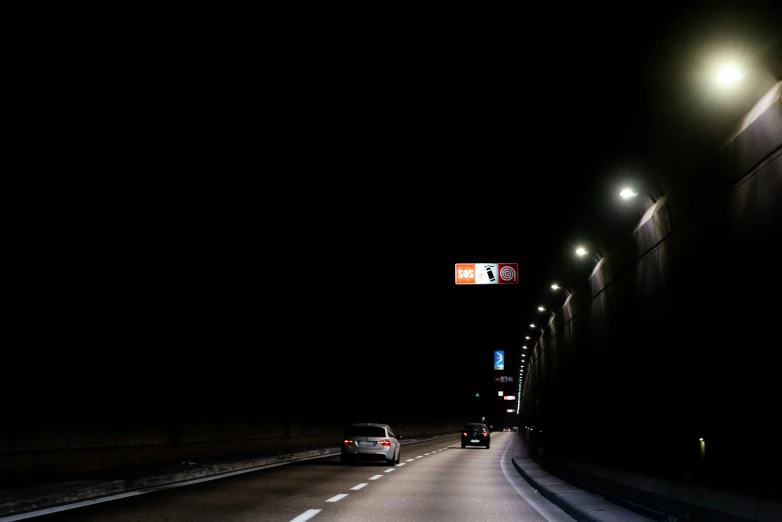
435,480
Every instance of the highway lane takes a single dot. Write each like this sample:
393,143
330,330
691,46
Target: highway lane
435,480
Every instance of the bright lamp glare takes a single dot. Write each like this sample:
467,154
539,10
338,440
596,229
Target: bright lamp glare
555,286
628,193
581,251
729,75
540,308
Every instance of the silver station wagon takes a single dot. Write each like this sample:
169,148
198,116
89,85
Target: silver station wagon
370,441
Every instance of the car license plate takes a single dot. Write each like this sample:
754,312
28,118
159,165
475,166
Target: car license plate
474,440
366,443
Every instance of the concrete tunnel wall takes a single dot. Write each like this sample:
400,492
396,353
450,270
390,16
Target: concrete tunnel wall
674,335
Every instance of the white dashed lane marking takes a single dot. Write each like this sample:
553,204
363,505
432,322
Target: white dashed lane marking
336,498
306,515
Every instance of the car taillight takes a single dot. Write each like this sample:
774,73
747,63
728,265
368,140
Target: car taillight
485,434
347,442
464,434
385,442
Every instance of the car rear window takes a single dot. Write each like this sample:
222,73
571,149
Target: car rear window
474,427
366,431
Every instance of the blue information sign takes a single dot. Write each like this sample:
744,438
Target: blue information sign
499,360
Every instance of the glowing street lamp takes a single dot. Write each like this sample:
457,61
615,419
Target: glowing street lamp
534,326
556,287
581,252
627,193
541,309
730,75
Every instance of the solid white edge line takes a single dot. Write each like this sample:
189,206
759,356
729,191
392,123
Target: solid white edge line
306,515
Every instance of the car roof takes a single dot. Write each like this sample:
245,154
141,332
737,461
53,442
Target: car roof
482,425
375,424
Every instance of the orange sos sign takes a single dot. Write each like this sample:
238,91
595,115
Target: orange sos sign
465,274
487,273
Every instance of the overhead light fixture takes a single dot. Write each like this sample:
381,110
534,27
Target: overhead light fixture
628,193
730,75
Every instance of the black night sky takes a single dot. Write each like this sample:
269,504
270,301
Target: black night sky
286,217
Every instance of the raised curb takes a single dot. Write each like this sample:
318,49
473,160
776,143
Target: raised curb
566,506
658,498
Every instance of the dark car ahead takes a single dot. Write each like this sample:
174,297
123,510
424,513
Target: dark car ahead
476,434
